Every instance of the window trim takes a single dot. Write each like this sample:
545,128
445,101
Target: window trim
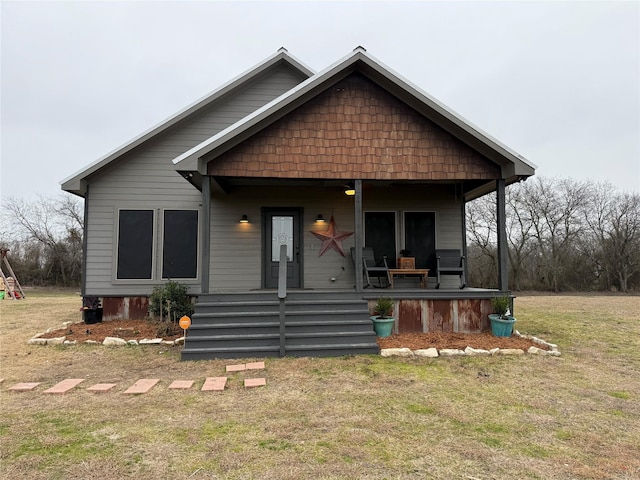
403,226
396,225
116,247
198,245
157,245
435,228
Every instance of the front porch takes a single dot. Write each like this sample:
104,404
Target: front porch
324,322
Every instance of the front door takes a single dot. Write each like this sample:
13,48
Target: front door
281,227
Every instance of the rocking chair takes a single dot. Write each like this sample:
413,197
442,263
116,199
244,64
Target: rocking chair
450,262
372,268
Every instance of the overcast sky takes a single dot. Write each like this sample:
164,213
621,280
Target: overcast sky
557,82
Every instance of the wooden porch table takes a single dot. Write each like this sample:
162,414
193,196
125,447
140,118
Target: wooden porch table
422,272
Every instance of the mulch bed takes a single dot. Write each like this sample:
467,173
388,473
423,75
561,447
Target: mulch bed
125,329
486,341
140,329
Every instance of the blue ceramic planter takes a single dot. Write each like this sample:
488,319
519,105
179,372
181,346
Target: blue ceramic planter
501,327
383,326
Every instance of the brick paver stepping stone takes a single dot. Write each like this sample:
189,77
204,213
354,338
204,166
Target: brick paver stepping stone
142,386
255,382
101,387
65,385
255,366
25,386
181,385
236,368
214,384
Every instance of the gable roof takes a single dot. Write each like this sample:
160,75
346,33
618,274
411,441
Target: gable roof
76,183
513,166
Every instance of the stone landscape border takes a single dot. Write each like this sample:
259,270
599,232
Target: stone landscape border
385,352
108,341
453,352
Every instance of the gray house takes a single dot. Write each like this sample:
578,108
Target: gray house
215,194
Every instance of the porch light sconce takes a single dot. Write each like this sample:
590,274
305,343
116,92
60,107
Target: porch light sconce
244,219
320,219
349,190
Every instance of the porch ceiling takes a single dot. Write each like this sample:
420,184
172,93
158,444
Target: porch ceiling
227,185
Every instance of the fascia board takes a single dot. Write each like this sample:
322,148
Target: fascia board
74,183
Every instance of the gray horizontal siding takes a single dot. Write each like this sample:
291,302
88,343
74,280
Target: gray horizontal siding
236,250
146,178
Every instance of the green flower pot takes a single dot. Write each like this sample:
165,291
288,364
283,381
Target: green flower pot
383,326
501,327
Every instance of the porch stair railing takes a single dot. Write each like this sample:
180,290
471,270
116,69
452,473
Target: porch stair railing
247,325
282,296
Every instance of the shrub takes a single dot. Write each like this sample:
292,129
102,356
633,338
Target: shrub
501,305
169,302
383,307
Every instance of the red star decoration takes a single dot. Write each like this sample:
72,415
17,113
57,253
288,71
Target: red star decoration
332,238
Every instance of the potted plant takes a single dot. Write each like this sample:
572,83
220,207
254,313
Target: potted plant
501,321
91,310
382,318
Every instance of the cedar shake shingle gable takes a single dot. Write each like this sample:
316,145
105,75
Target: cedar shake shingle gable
454,148
354,129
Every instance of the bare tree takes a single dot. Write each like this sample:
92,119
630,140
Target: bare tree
482,233
555,207
55,225
561,234
520,238
614,224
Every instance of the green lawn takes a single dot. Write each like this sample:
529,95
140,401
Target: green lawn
576,416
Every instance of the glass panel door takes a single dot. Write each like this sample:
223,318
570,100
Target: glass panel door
282,227
281,234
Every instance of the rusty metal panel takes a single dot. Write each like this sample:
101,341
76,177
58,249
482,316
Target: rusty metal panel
409,316
138,308
485,309
112,308
469,316
125,308
440,316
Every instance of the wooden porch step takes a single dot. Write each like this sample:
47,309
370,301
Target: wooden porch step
230,352
332,350
247,325
306,350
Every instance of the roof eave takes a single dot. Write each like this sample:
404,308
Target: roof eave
73,183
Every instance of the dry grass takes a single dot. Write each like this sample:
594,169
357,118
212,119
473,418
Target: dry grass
577,416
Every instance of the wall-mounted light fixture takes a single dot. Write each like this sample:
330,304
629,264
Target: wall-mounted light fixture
244,219
349,189
320,219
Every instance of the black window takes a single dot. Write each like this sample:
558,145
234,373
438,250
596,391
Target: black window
380,234
180,246
135,244
420,238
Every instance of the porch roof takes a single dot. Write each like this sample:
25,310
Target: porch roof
513,167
